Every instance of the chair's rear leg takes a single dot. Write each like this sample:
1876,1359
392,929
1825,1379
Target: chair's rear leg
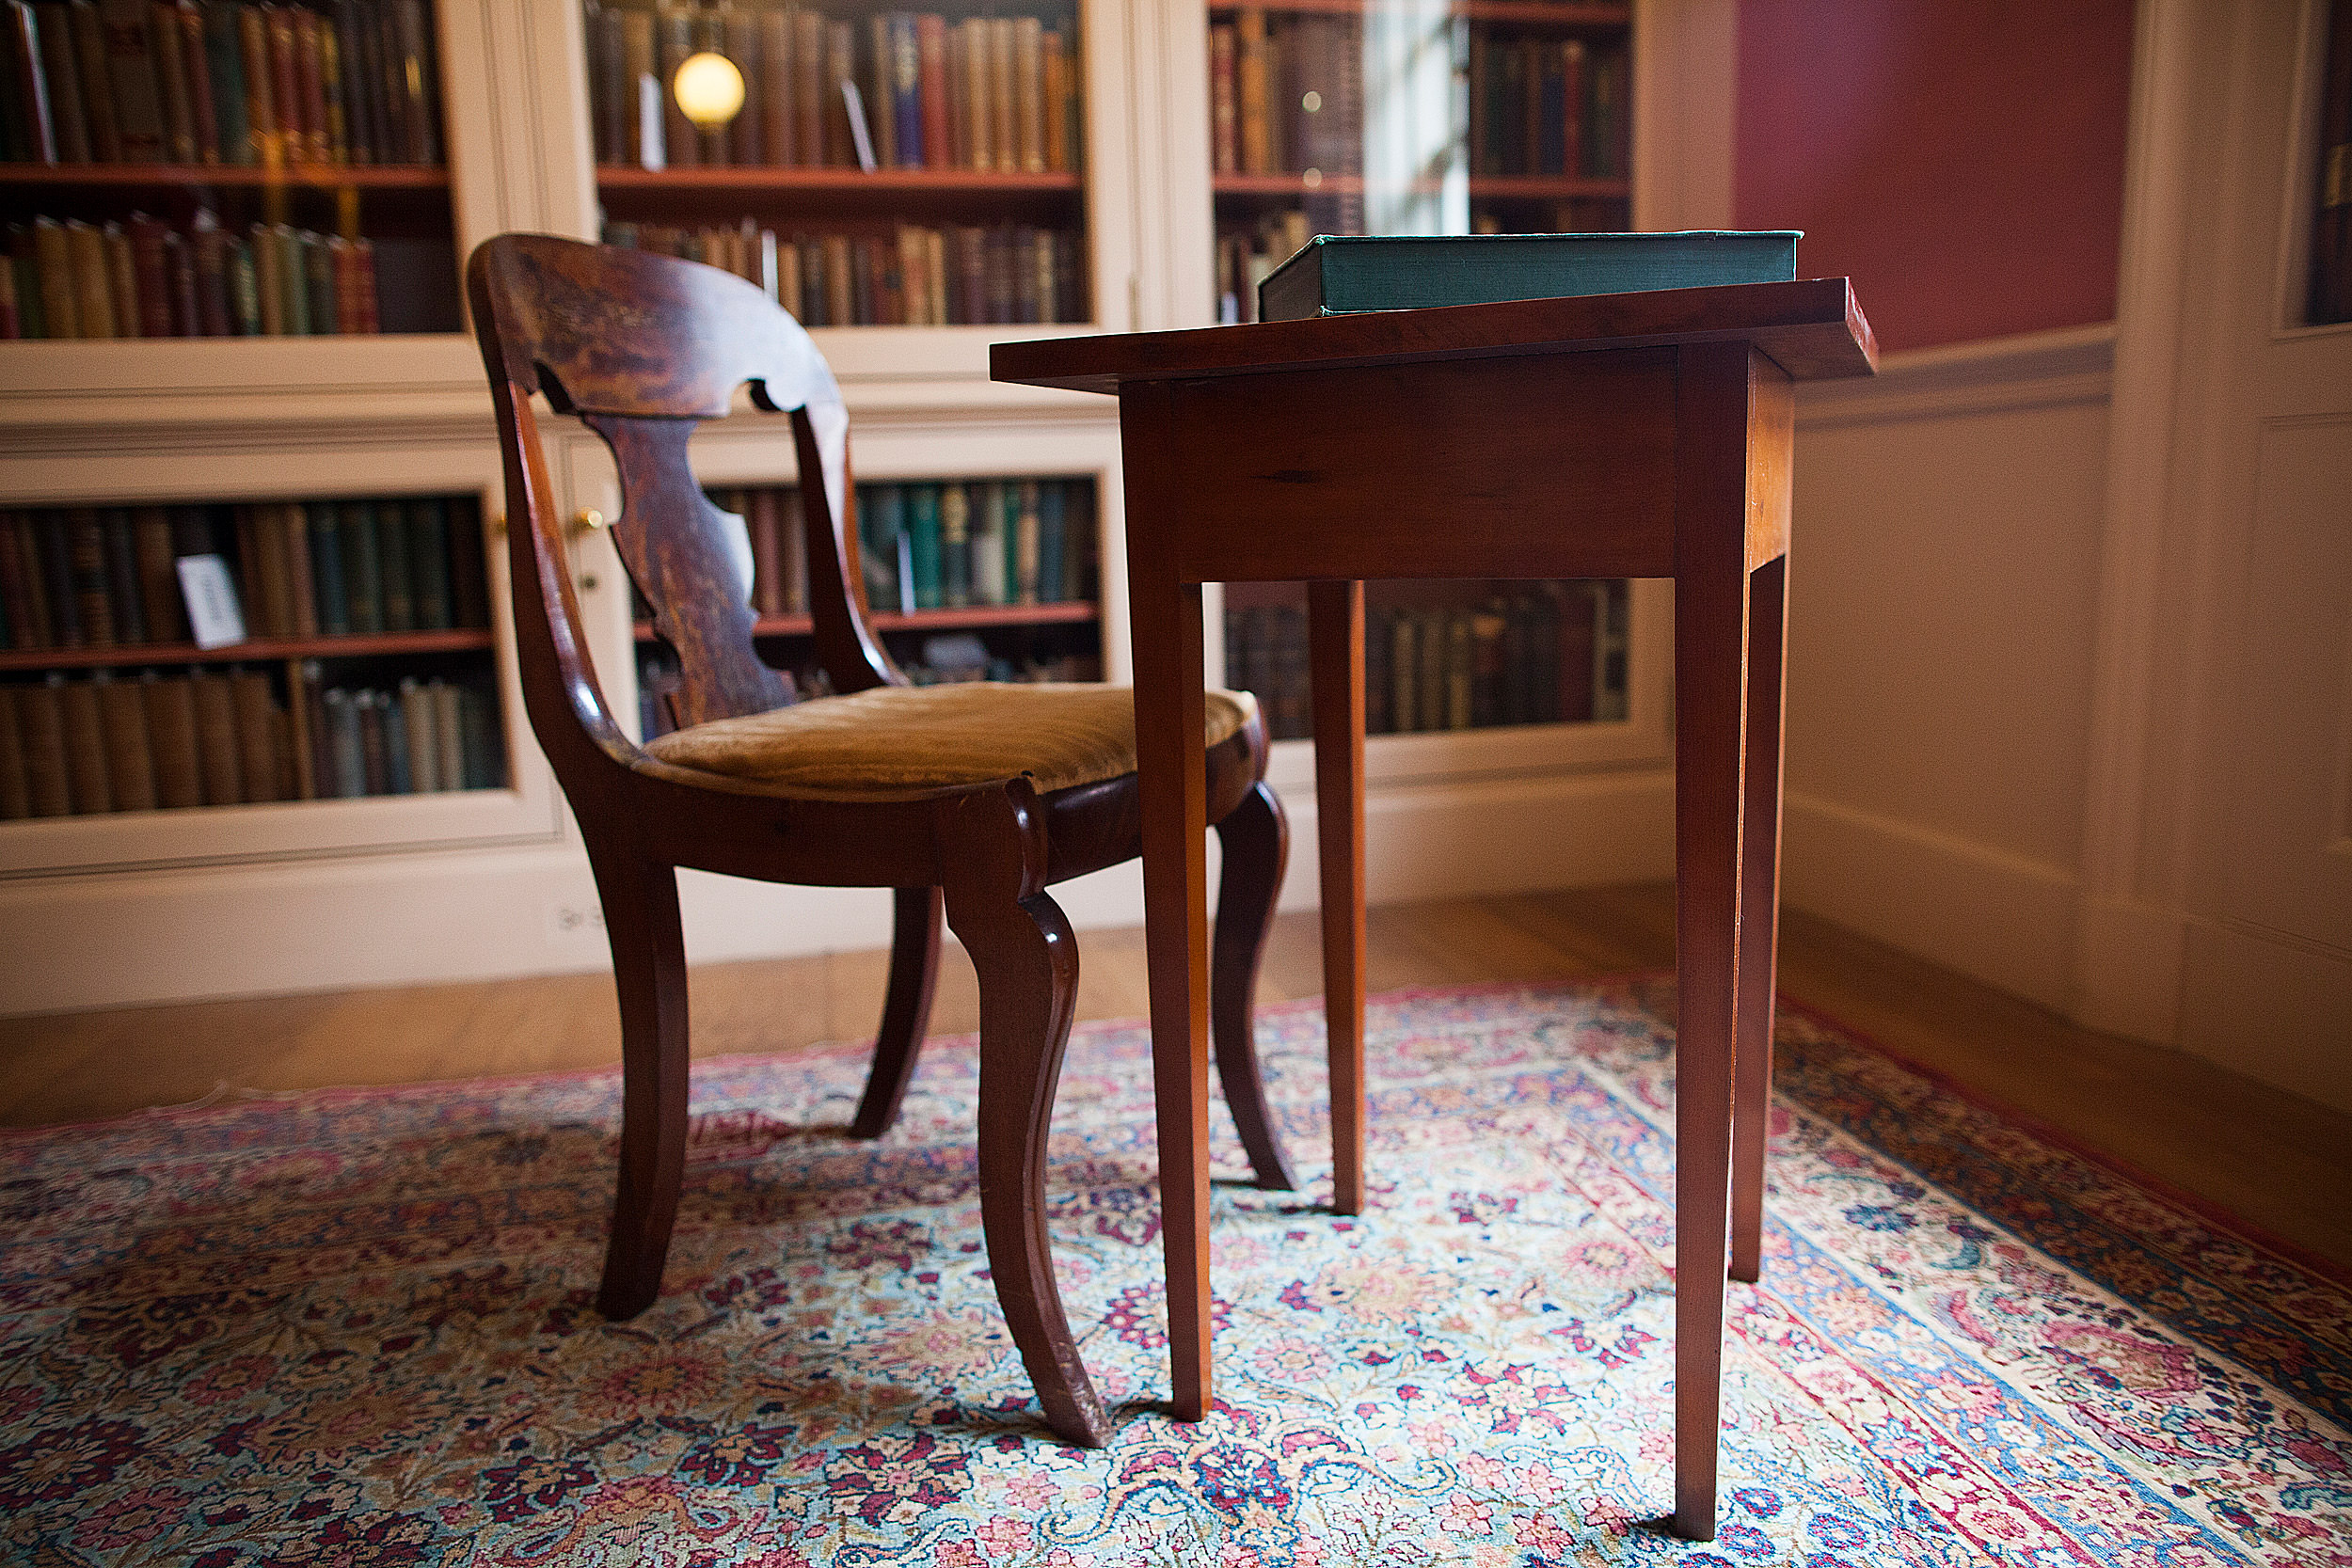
641,918
1256,838
1028,963
906,1007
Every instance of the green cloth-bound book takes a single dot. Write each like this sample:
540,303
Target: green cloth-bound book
1332,276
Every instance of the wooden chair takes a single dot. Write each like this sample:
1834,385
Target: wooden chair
975,797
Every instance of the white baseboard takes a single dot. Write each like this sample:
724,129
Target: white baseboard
1997,917
154,937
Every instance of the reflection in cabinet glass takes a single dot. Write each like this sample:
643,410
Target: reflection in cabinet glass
886,168
1422,117
368,669
1411,116
221,170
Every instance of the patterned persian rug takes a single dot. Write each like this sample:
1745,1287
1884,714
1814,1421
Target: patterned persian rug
355,1327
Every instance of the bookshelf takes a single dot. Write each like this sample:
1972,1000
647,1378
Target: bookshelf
224,171
885,168
387,889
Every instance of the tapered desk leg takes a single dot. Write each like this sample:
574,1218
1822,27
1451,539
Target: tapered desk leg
1335,637
1759,914
1172,773
1710,702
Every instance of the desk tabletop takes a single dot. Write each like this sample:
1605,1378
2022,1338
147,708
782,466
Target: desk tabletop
1812,328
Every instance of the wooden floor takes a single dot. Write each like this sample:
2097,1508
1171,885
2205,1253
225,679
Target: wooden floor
2259,1152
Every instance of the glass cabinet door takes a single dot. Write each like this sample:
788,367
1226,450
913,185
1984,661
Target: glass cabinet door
1422,117
868,166
1411,116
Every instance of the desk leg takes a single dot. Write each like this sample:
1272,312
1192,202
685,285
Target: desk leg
1710,708
1335,638
1759,914
1172,771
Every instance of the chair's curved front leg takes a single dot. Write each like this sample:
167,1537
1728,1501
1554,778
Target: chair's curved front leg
1255,836
641,918
906,1007
1027,962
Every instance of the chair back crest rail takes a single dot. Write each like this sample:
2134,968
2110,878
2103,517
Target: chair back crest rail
642,348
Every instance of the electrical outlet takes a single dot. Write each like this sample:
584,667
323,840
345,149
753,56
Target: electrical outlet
567,921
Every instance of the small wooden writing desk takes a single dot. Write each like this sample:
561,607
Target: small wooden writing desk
1640,435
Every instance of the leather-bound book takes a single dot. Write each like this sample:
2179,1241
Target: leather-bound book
362,569
421,739
295,528
224,63
256,741
95,68
374,764
131,70
310,61
218,757
93,607
187,321
84,748
40,722
171,740
171,83
122,280
397,578
449,734
124,604
930,72
328,594
779,86
16,798
151,275
316,764
468,589
20,582
260,104
285,81
130,765
164,616
428,563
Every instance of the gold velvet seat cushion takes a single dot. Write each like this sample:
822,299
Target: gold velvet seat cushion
893,741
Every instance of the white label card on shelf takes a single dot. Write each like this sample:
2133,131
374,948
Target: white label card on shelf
213,614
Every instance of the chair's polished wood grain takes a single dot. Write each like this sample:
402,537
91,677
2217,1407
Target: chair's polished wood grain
1642,435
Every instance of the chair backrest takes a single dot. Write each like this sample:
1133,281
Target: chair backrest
642,348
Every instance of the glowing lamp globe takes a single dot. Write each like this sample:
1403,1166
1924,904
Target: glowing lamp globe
710,89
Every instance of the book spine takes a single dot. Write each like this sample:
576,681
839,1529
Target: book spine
87,784
310,68
19,586
926,528
906,91
16,795
122,280
93,63
759,508
260,105
93,605
123,603
41,720
158,580
449,735
778,82
151,275
195,65
931,60
880,91
393,568
746,134
420,747
811,93
986,534
1250,90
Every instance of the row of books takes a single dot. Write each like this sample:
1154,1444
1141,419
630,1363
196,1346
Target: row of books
108,576
945,661
144,278
1287,95
1548,106
179,81
986,542
223,737
1555,655
1246,252
902,90
954,276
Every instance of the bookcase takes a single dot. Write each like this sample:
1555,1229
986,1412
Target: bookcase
905,273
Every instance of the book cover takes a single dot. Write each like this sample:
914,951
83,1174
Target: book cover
1332,276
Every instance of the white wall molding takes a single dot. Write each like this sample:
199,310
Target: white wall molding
2034,369
2002,918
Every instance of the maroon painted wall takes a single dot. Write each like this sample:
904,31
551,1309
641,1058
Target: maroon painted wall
1961,160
